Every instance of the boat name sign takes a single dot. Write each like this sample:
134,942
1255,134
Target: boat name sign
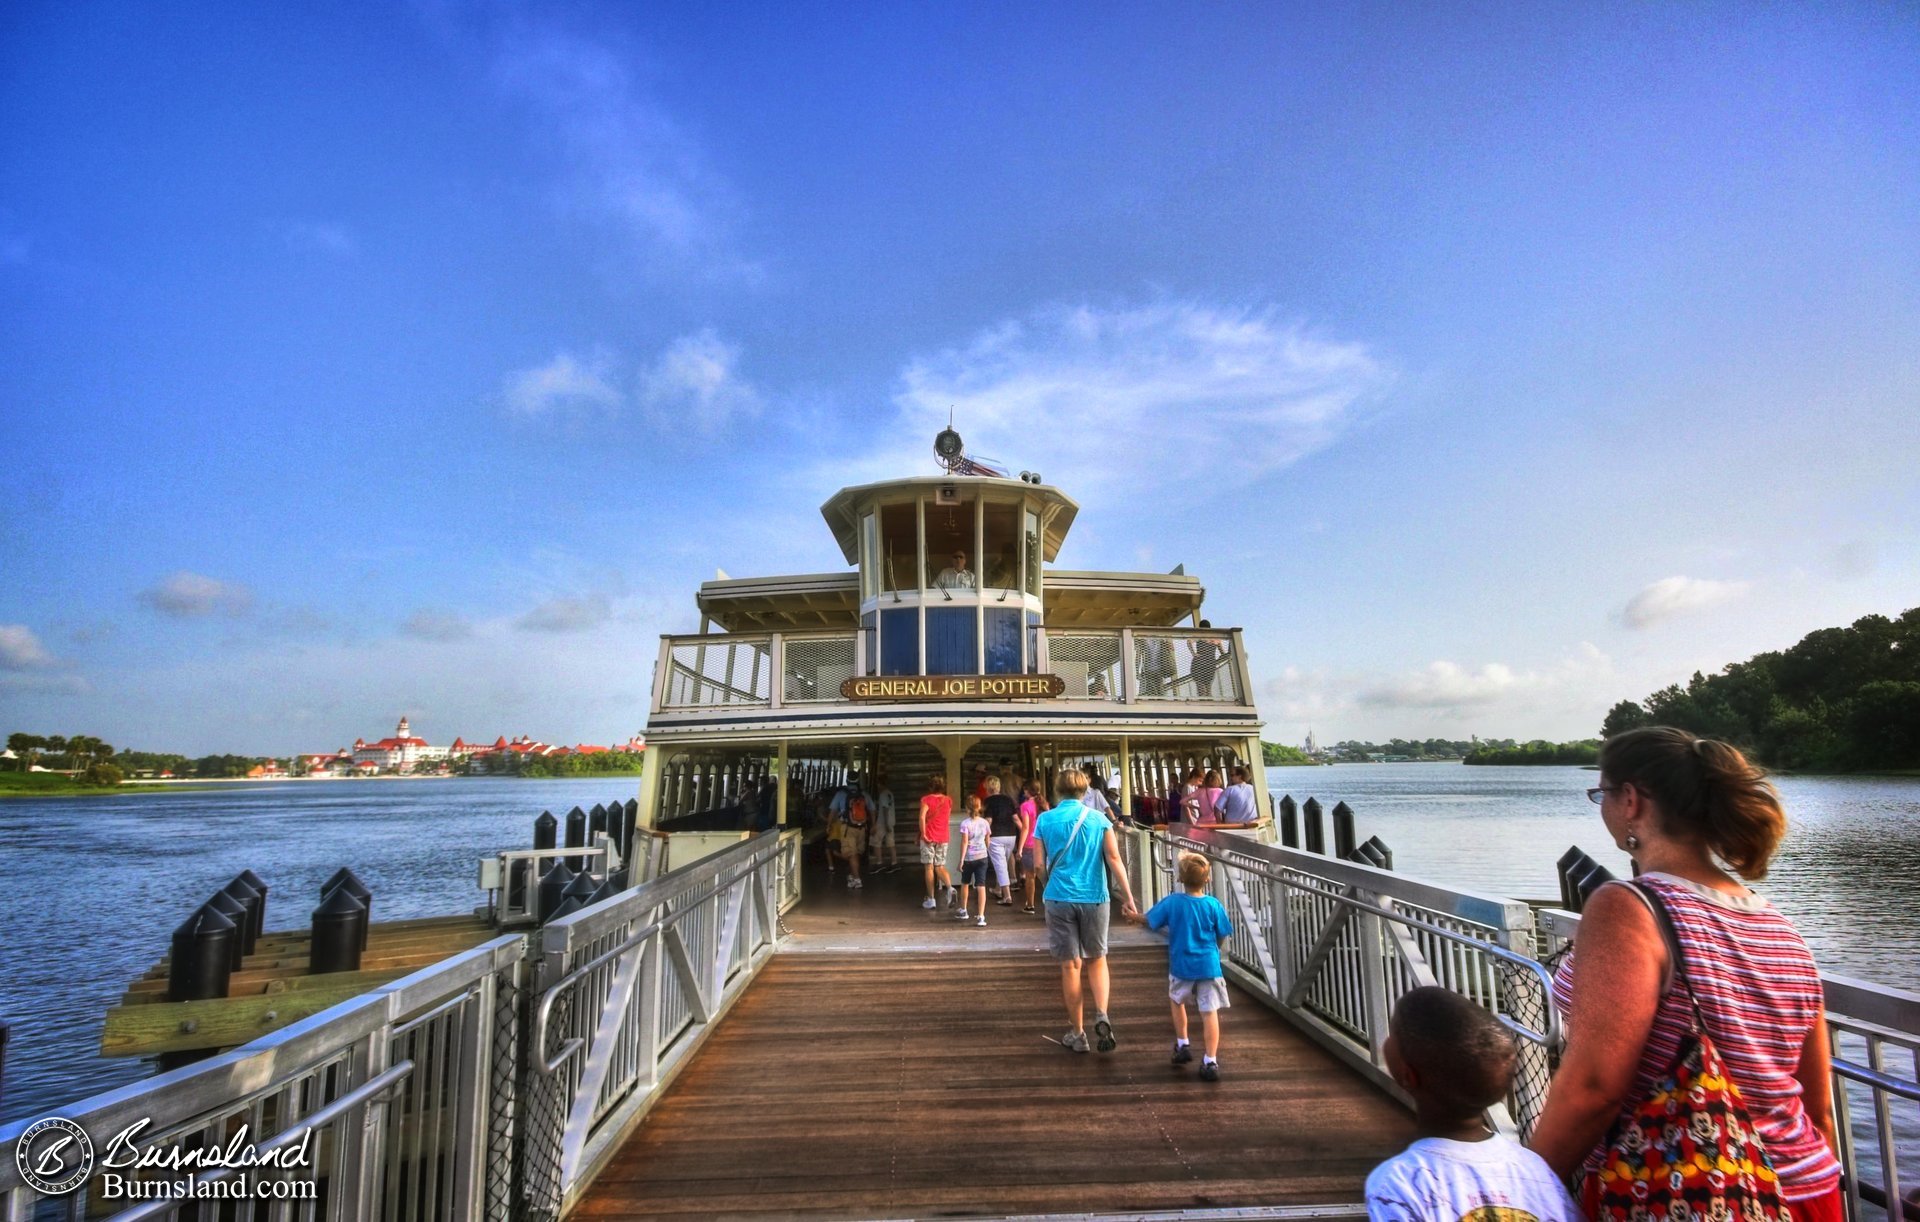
954,687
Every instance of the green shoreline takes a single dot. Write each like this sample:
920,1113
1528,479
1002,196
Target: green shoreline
53,785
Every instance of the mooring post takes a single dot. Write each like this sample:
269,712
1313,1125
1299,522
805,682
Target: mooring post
1316,831
1343,836
236,912
1588,880
202,962
576,837
250,900
1380,854
553,888
1289,822
1569,895
345,879
260,914
335,928
546,830
596,822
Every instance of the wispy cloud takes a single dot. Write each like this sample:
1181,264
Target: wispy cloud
628,161
1250,389
325,237
565,384
1671,596
696,383
567,614
430,625
187,595
1443,685
20,649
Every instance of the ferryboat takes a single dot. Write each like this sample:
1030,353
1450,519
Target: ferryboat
949,646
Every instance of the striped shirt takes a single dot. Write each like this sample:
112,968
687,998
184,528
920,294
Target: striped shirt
1760,994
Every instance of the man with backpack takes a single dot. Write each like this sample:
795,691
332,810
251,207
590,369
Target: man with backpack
851,816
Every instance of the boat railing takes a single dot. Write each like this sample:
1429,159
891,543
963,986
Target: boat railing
1875,1033
1122,666
1332,945
403,1096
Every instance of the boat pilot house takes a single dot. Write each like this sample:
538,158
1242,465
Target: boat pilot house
949,645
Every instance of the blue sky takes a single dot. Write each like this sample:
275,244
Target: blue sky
1489,363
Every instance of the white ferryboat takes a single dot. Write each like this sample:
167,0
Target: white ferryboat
950,644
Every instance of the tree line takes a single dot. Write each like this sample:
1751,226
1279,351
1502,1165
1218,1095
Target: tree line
1539,751
1841,700
584,765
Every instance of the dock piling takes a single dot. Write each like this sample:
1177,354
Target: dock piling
576,837
553,889
546,830
258,884
1289,822
1343,834
236,913
202,956
250,900
337,933
347,880
1316,831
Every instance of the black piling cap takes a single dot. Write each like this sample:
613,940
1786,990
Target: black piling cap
546,830
568,906
605,891
340,902
202,950
205,919
236,912
343,877
252,880
576,828
336,934
552,891
583,886
596,820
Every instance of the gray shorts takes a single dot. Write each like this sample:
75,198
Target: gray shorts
1208,995
1076,931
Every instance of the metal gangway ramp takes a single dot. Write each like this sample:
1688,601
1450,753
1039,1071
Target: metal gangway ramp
706,1044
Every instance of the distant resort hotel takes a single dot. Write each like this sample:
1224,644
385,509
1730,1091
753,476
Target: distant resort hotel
403,753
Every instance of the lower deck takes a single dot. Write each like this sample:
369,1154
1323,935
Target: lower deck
892,1062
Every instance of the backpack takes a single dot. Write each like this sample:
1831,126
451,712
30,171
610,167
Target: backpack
857,810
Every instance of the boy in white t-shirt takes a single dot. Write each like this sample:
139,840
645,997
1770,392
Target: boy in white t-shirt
1456,1060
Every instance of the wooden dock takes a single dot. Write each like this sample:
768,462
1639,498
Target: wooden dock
893,1063
272,987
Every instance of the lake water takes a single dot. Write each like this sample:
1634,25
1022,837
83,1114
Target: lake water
96,884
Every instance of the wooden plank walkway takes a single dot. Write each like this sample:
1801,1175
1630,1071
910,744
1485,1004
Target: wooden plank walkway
916,1076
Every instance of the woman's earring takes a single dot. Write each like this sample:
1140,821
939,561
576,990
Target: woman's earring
1633,842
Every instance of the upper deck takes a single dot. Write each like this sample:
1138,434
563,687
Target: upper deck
951,621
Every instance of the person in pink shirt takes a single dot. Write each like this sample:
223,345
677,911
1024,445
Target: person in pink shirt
1032,802
1210,790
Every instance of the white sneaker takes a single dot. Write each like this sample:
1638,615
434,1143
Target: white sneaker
962,916
928,903
852,883
980,923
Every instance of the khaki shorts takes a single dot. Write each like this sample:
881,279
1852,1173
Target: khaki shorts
1209,995
853,840
933,853
1077,931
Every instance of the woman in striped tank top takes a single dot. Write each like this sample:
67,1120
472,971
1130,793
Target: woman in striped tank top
1688,811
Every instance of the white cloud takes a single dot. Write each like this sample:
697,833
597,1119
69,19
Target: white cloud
430,625
567,615
565,383
1671,596
326,237
627,161
695,383
1250,391
20,649
1443,685
187,595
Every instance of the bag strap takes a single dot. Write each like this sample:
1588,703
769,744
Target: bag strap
1671,936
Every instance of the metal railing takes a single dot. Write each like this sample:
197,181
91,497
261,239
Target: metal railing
511,877
1332,945
627,991
1129,666
458,1092
1875,1031
397,1095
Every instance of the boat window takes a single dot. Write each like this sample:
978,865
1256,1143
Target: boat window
900,641
953,641
951,562
1003,640
1034,551
899,548
870,641
1033,642
869,555
1000,546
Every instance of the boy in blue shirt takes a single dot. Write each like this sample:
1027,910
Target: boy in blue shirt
1197,927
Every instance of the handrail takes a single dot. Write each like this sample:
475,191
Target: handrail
371,1089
